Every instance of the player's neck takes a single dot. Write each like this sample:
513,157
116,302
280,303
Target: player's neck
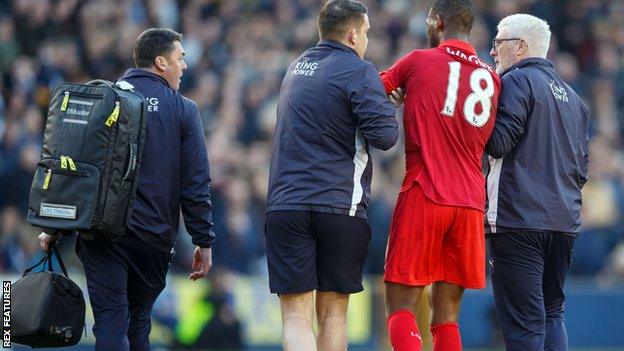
453,35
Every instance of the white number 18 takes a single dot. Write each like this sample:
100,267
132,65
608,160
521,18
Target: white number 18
478,95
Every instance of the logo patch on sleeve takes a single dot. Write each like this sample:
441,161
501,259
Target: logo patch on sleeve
57,211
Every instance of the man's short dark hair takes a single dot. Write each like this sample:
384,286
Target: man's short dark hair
152,43
458,15
338,15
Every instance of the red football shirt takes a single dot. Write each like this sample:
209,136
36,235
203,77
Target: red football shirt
450,108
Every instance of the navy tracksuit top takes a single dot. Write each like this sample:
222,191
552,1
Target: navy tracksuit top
332,107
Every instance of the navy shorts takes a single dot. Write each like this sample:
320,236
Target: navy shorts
315,251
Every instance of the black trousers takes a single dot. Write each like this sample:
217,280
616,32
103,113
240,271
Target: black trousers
528,275
124,279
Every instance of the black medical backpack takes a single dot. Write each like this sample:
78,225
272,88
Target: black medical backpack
87,176
48,308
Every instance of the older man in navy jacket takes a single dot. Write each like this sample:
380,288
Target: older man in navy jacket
125,277
538,165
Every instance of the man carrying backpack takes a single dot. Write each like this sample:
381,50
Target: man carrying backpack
125,277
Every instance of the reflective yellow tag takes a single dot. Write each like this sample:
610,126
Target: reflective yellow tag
65,101
113,116
72,165
46,181
64,162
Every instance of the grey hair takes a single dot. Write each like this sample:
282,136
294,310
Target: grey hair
534,31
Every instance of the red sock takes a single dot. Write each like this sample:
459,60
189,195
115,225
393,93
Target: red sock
446,337
403,331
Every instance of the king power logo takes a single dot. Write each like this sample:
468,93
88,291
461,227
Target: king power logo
305,68
558,91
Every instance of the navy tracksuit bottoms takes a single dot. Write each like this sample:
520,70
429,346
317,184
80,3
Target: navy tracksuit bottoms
124,278
528,274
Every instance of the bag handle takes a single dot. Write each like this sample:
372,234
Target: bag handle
99,82
48,259
60,261
43,260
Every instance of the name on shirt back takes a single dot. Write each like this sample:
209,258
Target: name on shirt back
472,58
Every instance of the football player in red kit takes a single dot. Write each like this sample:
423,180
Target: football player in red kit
437,231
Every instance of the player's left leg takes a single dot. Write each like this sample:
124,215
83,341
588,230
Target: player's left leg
445,301
331,316
401,308
413,261
556,266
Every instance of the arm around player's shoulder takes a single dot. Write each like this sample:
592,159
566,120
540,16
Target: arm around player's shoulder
514,107
371,108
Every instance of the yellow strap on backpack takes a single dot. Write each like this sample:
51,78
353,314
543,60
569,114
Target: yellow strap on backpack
46,181
64,162
113,116
72,165
65,101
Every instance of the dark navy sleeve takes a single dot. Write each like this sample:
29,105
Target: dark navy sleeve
511,117
195,179
585,147
372,109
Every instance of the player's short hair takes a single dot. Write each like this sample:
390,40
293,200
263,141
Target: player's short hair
152,43
338,15
534,31
458,15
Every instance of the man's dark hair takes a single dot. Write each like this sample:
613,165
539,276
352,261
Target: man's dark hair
337,15
152,43
458,15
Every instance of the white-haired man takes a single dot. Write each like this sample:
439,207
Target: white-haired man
538,165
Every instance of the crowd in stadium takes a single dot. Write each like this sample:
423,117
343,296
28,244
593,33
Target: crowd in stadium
237,52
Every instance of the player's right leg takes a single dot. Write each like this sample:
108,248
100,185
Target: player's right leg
291,256
445,300
463,254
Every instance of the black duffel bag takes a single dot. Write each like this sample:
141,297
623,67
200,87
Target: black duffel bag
48,308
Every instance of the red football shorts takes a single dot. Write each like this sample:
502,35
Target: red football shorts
430,242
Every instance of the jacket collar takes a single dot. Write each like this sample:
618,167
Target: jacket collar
459,44
142,73
531,61
336,45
